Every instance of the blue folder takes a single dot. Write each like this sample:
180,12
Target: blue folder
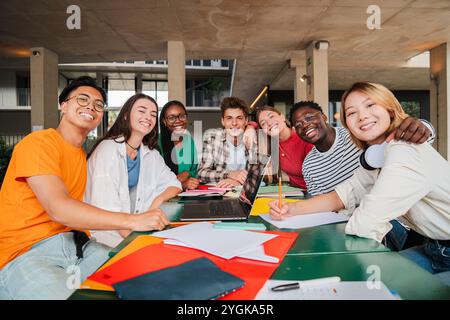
198,279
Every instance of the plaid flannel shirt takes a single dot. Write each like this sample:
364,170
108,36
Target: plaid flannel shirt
213,166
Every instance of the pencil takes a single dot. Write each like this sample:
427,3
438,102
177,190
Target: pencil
179,223
182,223
279,192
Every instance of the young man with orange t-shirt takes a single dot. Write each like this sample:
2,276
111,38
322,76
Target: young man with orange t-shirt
41,210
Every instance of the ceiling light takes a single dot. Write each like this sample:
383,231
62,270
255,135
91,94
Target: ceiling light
322,45
305,78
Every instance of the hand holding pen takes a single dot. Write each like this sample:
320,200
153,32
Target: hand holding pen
280,210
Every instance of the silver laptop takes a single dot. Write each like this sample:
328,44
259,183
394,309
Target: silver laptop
229,209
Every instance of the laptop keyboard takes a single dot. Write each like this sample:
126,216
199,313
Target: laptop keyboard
223,208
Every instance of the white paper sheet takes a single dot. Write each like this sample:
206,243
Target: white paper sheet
253,254
306,220
220,242
347,290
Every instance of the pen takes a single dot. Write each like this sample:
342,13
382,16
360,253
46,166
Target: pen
279,192
306,283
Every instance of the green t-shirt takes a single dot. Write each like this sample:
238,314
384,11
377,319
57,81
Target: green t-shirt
187,158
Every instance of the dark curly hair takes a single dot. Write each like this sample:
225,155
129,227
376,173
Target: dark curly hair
166,142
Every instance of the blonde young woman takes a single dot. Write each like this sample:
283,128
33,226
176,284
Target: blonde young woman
413,185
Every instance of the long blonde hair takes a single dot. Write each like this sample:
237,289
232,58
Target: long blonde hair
381,96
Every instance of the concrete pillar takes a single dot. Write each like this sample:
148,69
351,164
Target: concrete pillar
297,62
44,89
317,70
440,97
138,83
103,126
176,71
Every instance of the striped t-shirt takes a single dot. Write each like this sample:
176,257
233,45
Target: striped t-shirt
323,171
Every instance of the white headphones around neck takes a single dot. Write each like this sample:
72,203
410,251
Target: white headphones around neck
373,157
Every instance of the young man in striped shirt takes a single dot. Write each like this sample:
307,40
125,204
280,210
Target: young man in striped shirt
334,157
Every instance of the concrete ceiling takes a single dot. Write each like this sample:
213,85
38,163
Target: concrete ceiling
260,34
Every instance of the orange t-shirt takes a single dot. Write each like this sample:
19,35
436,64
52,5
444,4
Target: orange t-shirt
23,221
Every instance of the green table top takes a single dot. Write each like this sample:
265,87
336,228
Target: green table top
328,239
331,239
325,251
397,273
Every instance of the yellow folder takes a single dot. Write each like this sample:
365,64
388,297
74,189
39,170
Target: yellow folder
261,205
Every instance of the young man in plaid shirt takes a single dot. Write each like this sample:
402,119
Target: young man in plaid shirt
225,158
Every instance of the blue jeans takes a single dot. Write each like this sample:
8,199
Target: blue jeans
50,269
396,238
432,256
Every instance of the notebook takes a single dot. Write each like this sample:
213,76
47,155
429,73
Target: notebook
198,279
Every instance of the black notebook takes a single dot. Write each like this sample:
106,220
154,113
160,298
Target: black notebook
198,279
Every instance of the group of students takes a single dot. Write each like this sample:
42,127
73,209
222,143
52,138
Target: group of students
53,193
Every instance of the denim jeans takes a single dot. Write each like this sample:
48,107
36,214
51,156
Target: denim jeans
432,256
44,272
396,238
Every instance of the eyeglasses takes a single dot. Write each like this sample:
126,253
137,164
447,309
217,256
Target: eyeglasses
307,118
172,118
84,100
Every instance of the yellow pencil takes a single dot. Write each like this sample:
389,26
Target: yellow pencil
279,192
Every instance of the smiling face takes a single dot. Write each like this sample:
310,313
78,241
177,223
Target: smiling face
234,121
175,119
367,120
143,116
310,124
271,122
87,117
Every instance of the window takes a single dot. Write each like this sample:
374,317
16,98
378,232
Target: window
412,108
158,90
23,89
119,90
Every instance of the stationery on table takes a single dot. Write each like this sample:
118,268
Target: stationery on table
324,289
135,245
292,194
239,226
160,256
213,188
279,193
223,243
205,191
201,193
198,279
272,192
261,205
306,220
256,253
305,283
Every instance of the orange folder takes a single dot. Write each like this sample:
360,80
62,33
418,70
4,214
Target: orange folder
158,256
138,243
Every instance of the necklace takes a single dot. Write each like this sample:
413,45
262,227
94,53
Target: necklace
136,149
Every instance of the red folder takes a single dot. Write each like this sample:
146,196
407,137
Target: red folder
159,256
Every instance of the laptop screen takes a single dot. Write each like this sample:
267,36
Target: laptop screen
253,181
